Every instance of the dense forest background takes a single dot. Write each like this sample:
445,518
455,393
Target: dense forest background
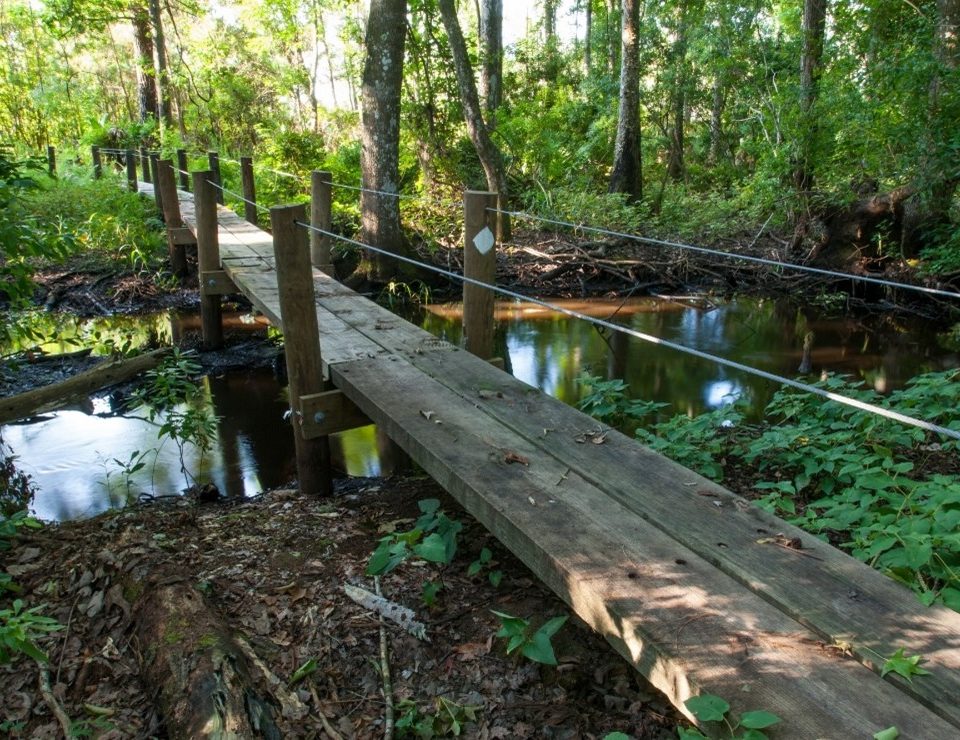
835,123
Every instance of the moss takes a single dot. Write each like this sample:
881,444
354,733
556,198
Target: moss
206,641
132,591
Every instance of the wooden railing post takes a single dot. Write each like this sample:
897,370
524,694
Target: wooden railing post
154,160
131,158
479,263
321,194
214,159
208,257
249,190
145,164
182,166
167,185
97,164
52,161
301,341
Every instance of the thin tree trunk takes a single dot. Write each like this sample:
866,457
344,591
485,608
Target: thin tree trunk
487,151
380,116
675,164
491,72
811,61
627,175
718,100
163,78
943,161
146,74
588,40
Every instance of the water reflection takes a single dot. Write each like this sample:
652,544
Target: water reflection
77,457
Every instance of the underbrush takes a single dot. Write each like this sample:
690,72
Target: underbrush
887,493
107,227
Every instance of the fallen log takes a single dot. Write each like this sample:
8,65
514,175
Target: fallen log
57,395
201,673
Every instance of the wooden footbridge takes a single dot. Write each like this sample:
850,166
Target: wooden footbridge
699,590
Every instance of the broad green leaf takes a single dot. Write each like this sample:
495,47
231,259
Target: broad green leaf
550,627
685,734
303,671
903,666
616,736
707,707
433,549
540,650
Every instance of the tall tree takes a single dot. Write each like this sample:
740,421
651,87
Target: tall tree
163,78
487,151
491,45
380,135
146,71
675,164
627,175
942,156
811,62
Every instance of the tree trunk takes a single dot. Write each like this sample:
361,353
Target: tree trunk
587,39
675,165
57,395
626,176
718,100
487,151
163,78
380,116
203,674
491,71
146,73
811,61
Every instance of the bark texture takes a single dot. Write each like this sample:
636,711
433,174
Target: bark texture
201,674
380,116
146,72
811,61
491,76
626,176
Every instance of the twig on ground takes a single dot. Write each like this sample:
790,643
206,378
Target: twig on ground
327,727
385,673
51,700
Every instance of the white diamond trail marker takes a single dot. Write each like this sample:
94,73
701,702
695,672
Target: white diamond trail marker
484,240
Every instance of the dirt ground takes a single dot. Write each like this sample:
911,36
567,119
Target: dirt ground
274,568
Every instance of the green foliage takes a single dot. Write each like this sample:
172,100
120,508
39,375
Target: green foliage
10,525
533,644
19,630
711,708
447,720
433,538
106,226
25,238
308,668
903,666
607,400
16,490
172,395
485,561
429,592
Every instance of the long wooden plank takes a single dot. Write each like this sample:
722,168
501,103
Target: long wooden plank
841,599
668,611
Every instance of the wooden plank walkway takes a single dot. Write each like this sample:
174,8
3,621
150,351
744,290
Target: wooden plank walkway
672,569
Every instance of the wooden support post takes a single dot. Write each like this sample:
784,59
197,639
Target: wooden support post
504,229
52,161
301,341
479,263
131,170
167,185
145,164
155,179
97,164
249,190
321,194
214,159
208,257
182,166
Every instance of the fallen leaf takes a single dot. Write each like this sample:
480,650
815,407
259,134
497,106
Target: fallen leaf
428,415
513,457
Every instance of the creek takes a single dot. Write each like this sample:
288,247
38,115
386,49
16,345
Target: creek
77,457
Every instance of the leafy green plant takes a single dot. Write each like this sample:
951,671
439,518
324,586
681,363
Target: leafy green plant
533,644
484,561
447,719
429,592
433,538
19,628
903,666
607,401
16,488
711,708
10,525
172,395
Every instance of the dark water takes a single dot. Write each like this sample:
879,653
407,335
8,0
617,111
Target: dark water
76,458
